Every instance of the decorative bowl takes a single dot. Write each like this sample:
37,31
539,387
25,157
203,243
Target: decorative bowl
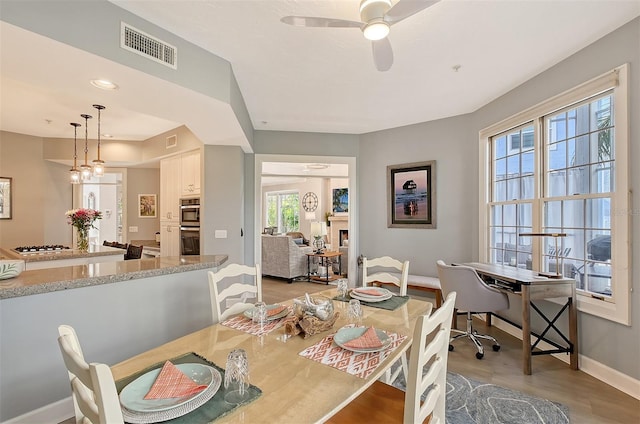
10,268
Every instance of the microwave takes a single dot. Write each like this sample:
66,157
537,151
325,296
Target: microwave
190,212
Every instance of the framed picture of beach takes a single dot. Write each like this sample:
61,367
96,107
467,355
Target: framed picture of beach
147,206
411,195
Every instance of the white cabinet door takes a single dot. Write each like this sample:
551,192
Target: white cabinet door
190,173
169,239
170,174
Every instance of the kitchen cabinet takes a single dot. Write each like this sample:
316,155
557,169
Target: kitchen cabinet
170,174
169,239
190,175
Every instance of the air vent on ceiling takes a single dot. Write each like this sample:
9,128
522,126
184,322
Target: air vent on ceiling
139,42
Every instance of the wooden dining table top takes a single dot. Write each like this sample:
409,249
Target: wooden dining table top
295,389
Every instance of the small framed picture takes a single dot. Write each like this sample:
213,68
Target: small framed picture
5,198
147,206
411,192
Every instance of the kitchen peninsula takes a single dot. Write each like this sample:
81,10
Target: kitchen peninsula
119,309
62,256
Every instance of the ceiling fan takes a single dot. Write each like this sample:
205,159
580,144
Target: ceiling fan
377,17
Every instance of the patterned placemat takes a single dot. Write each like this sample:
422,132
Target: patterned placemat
214,408
391,304
242,323
358,364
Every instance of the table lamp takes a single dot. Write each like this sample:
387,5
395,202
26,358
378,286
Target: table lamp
318,230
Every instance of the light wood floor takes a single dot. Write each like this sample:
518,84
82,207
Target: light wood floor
589,400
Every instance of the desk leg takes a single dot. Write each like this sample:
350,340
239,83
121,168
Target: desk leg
573,331
526,331
308,268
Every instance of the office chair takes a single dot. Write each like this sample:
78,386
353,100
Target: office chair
473,296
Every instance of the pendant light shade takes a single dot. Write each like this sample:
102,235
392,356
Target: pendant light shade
98,164
74,172
85,168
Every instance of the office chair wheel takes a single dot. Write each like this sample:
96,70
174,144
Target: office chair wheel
479,355
450,348
496,347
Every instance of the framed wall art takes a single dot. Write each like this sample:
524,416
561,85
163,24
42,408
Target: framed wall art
411,195
340,200
147,206
5,198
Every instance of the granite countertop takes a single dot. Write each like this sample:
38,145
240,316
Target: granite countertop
55,255
71,277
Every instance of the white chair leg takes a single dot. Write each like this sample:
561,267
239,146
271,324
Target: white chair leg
389,378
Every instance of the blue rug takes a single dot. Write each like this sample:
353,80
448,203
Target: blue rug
473,402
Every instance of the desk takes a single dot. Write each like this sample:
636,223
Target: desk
530,286
323,260
295,389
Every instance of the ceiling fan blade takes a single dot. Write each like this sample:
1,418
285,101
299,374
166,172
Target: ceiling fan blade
405,8
308,21
382,54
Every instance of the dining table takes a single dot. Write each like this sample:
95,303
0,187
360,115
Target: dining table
293,388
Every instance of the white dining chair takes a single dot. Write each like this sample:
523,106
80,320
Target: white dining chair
230,297
93,389
382,277
427,378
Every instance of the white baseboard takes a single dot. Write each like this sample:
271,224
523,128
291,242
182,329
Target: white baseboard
607,375
53,413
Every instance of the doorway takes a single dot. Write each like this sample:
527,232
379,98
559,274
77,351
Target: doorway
107,195
297,170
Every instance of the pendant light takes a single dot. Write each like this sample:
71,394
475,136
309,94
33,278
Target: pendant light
85,169
98,165
74,173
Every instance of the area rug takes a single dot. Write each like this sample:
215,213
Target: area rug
473,402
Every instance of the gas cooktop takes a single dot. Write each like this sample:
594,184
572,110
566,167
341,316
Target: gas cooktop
41,249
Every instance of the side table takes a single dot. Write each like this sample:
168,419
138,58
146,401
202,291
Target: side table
323,260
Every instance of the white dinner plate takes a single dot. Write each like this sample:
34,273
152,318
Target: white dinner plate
384,295
132,396
347,334
249,312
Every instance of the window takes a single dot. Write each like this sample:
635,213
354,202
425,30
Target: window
561,167
283,211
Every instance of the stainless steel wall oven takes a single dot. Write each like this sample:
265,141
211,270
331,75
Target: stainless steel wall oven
190,226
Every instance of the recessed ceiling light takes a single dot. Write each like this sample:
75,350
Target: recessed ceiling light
107,135
104,84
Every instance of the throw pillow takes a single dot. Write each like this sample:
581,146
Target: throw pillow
298,241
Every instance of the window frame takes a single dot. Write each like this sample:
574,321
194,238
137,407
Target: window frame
278,194
618,309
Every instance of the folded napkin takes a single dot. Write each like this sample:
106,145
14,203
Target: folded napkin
172,383
370,292
276,310
369,340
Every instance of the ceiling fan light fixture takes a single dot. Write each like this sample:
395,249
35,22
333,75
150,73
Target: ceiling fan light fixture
375,31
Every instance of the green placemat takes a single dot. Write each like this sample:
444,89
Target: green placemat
214,408
390,304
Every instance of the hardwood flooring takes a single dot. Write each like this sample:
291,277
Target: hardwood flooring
590,401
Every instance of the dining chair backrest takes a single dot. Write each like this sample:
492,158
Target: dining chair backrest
430,349
133,252
384,276
231,300
93,389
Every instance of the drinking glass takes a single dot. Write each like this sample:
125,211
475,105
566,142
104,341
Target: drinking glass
236,377
343,288
260,313
354,312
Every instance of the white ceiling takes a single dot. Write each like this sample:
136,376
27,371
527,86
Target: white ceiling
305,79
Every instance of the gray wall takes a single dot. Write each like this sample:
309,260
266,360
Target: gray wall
142,181
223,208
41,194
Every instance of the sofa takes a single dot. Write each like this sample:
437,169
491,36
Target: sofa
283,258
